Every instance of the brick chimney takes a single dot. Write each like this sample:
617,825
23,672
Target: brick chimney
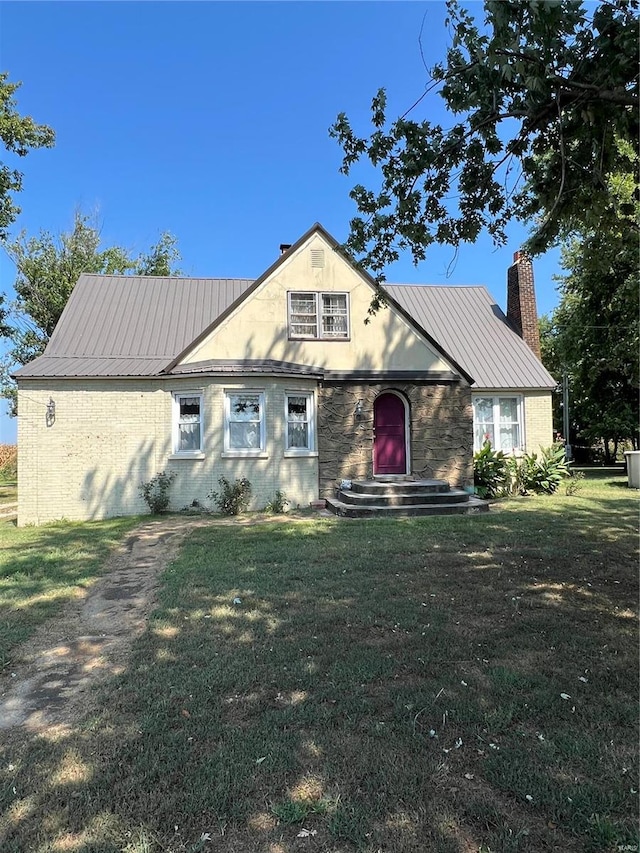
521,301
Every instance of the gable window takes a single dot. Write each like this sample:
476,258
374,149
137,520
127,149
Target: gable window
498,419
244,429
187,422
318,315
300,422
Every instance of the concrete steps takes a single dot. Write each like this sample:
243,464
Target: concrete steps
403,497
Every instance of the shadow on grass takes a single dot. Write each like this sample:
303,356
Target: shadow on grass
426,684
43,567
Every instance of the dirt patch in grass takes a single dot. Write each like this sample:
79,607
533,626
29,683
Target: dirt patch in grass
48,685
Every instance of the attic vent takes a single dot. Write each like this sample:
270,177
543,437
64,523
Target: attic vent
317,258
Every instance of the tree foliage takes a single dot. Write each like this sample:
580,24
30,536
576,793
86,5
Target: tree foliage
19,134
47,269
594,332
541,91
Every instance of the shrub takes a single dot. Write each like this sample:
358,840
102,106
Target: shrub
232,498
543,474
490,472
574,483
496,475
156,492
277,504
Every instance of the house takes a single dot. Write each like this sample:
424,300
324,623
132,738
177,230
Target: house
278,380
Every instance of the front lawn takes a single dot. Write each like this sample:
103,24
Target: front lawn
8,493
442,684
41,568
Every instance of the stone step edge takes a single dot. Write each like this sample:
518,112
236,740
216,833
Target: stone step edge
471,507
403,498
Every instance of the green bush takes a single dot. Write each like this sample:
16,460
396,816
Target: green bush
490,472
496,475
277,504
543,474
156,492
574,483
233,498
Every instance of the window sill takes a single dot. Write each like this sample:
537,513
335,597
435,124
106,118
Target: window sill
195,454
244,454
320,340
302,454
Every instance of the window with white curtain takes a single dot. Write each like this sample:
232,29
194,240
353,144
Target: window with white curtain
318,315
187,422
300,421
499,420
244,427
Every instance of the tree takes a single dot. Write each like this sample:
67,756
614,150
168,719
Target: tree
47,269
19,135
542,92
594,332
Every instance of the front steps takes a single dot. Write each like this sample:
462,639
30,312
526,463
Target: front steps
402,497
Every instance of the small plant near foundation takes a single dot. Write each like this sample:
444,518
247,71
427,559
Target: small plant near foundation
156,492
574,483
233,498
277,504
490,474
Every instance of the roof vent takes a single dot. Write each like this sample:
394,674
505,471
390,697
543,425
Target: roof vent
317,258
284,247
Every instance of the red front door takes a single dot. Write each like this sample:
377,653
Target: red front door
389,446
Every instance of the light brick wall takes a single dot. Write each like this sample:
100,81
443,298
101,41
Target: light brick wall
111,435
538,420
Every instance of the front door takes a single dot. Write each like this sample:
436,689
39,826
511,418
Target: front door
389,435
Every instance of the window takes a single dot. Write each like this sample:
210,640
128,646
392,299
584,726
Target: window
244,421
500,420
187,422
318,315
299,415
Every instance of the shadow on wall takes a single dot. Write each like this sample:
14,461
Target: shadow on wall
106,494
441,427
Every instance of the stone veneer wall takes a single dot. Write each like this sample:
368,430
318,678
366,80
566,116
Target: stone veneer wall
441,429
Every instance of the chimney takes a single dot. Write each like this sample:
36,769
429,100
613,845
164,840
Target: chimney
521,301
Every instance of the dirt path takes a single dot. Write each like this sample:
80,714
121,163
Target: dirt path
48,686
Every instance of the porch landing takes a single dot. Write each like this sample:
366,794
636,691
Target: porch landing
403,496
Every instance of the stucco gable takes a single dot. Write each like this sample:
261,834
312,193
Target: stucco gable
257,327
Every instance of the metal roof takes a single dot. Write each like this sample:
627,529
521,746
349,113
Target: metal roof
117,325
468,324
143,325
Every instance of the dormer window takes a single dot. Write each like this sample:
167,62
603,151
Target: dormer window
318,315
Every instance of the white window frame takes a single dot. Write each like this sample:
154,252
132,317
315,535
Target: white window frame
244,451
496,418
319,297
311,424
175,437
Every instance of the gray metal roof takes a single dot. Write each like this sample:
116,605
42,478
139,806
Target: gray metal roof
140,325
249,365
117,325
470,326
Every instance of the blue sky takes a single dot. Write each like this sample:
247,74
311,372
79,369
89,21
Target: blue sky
210,120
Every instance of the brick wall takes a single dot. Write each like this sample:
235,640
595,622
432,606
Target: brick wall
538,421
521,301
109,436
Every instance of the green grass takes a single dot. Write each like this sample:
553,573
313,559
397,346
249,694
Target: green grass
390,685
8,493
42,568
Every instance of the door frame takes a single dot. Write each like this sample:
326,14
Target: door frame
407,432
